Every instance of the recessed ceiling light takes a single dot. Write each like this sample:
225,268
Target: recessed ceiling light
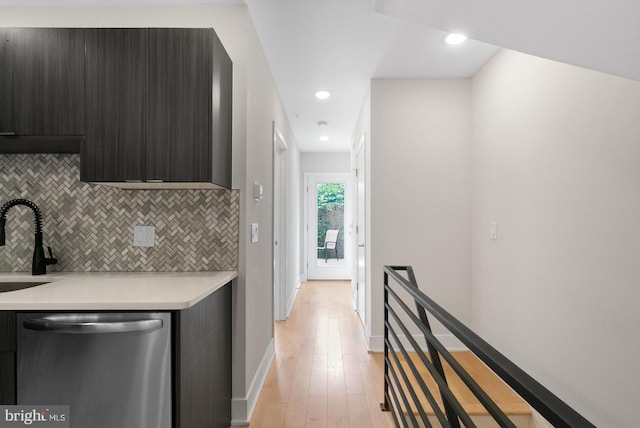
455,39
322,94
322,123
324,138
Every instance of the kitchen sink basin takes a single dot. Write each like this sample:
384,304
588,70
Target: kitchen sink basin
19,285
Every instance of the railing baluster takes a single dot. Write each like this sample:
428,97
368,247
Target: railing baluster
433,353
458,411
473,386
385,405
541,399
425,390
407,405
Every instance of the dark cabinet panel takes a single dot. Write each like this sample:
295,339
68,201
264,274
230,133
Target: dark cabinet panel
7,357
179,119
203,363
7,378
222,107
42,81
7,81
158,106
7,331
116,88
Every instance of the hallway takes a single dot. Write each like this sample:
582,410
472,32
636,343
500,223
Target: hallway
322,375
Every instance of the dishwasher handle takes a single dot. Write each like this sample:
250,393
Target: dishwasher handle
91,327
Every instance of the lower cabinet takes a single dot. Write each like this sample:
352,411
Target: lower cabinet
7,377
202,387
200,369
7,357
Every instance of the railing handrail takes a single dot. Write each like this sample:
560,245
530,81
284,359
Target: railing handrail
552,408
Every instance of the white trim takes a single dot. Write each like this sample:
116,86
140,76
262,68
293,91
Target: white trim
242,408
279,244
450,342
292,299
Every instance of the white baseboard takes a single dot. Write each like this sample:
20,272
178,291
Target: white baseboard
376,343
292,299
242,408
304,277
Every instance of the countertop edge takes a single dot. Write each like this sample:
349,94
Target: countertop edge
67,292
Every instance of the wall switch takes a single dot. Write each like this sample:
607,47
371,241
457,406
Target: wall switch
144,236
254,232
493,231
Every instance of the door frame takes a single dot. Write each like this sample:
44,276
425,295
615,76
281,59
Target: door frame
279,225
345,177
359,282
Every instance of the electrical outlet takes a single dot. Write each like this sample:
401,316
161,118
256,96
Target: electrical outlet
493,231
144,236
254,232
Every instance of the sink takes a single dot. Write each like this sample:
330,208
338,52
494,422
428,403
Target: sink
13,286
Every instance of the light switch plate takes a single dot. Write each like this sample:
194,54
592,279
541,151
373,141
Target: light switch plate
254,232
493,231
144,236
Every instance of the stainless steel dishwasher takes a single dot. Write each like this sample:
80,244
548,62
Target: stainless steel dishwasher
112,369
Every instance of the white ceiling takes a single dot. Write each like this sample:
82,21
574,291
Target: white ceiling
341,44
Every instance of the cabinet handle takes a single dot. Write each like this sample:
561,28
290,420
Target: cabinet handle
155,180
3,134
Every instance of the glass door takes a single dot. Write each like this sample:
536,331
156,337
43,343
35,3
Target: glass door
329,227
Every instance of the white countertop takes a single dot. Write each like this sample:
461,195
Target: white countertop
112,290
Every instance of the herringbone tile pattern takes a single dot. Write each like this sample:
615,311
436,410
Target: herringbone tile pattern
90,228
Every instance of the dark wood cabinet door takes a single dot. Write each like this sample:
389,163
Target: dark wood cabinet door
116,88
7,81
7,357
42,81
7,378
158,106
179,110
221,122
203,362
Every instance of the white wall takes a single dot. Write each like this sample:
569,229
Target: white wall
256,104
420,152
325,162
295,238
362,132
556,163
263,108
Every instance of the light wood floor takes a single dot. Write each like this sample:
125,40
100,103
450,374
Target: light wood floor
323,375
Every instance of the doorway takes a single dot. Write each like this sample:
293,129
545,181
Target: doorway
328,231
280,297
360,285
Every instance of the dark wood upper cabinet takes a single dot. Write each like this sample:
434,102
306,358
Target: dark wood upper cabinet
158,106
179,120
116,88
41,81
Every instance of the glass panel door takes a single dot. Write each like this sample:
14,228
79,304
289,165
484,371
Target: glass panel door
329,237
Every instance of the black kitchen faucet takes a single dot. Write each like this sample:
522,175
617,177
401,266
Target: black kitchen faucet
40,262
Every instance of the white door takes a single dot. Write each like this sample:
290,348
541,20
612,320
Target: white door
279,227
328,205
360,230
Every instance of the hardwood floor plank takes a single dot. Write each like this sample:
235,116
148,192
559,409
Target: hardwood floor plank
324,376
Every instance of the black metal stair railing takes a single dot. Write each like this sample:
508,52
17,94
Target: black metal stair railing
400,394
